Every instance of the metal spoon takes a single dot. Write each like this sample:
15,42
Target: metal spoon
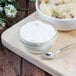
51,55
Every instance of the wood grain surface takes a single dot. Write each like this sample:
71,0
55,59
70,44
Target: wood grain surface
12,64
31,70
9,63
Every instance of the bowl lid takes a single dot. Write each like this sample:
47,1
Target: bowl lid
36,32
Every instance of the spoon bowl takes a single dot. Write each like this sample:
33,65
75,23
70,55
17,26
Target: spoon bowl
51,55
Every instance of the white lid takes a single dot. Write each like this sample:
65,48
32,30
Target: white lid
37,32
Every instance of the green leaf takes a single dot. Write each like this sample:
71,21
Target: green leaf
2,1
1,14
15,3
3,19
32,0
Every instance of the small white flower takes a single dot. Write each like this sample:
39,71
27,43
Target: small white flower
1,9
10,11
2,24
9,0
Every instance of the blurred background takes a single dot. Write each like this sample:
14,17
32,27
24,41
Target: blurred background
26,7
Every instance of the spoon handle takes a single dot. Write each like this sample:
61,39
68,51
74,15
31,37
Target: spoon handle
66,47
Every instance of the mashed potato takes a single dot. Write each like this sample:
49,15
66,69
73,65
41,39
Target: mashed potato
64,9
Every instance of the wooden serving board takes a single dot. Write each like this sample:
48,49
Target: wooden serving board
63,64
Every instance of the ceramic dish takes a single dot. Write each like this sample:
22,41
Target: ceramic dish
59,24
37,36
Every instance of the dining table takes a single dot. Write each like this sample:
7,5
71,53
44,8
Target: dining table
15,60
30,64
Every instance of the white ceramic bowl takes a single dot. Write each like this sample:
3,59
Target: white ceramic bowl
37,37
59,24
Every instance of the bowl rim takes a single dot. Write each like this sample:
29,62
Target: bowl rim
36,4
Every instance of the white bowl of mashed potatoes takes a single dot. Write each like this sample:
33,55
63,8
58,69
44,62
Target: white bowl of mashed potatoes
59,13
